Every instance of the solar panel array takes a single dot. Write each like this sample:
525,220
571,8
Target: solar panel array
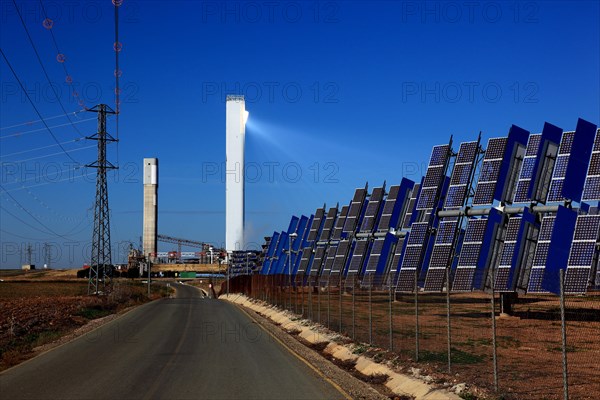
581,257
540,258
434,178
461,174
521,193
366,239
490,171
469,254
591,192
560,167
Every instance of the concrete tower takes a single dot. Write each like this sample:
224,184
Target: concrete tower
235,130
150,204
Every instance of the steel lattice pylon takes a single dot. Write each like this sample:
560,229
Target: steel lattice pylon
101,262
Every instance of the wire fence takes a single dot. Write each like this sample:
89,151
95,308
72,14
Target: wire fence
544,347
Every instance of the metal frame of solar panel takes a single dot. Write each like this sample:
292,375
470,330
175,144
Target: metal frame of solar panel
591,191
476,251
581,257
552,251
270,253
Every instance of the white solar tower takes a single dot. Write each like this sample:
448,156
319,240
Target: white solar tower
235,130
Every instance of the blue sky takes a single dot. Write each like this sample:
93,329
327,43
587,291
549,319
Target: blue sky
339,93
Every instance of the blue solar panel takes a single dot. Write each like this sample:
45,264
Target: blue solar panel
434,178
417,233
354,212
339,224
521,193
375,255
445,233
340,257
540,258
316,224
388,209
320,253
560,168
507,253
411,206
360,250
329,222
372,210
490,170
581,257
591,192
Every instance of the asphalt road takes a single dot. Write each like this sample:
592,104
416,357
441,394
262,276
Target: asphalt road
187,347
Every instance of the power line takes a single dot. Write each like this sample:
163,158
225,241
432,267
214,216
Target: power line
43,129
44,68
48,183
48,155
30,214
37,148
33,105
68,76
38,120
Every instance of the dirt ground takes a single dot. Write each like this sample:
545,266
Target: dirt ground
528,342
37,309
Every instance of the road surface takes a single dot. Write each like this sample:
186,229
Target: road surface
187,347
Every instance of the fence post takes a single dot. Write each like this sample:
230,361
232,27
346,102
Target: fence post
494,343
328,303
310,308
416,318
340,306
319,302
391,320
563,329
370,314
449,338
353,310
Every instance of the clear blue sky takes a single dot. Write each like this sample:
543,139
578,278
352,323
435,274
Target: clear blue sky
339,93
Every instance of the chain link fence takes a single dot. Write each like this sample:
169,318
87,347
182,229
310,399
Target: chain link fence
544,347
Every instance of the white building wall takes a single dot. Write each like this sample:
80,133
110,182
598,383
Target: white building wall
150,205
235,130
